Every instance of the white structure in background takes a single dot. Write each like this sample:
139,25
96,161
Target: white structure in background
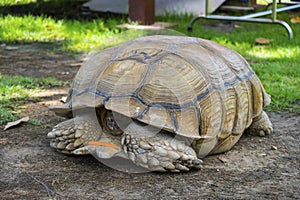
194,7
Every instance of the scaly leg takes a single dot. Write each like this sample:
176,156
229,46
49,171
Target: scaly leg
71,136
157,150
261,125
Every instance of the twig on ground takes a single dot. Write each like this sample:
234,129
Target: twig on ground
43,184
49,191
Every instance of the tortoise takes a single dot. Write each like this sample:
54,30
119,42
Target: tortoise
163,102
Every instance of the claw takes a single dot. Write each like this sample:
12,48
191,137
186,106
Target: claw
262,133
81,151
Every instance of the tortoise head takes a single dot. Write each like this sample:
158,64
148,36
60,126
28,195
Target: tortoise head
109,143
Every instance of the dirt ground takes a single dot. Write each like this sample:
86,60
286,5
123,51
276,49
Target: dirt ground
256,168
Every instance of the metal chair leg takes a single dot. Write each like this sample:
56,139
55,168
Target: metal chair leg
252,17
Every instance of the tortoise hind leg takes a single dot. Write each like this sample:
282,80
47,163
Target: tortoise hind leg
261,125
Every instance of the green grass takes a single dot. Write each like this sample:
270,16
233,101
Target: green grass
17,90
277,63
75,35
15,2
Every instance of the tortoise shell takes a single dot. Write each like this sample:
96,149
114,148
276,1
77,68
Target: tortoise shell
189,86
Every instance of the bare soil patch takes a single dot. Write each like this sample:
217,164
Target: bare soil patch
256,168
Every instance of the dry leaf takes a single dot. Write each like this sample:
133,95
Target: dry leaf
295,20
263,41
223,159
11,48
15,123
63,99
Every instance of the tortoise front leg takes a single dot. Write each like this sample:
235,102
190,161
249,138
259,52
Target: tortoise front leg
71,136
261,125
158,151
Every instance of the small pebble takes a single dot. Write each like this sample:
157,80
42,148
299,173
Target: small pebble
262,154
274,147
223,159
169,191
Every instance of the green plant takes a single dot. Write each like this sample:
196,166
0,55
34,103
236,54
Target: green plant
16,90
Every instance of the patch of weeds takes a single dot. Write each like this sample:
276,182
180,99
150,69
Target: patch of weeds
16,90
40,123
35,122
6,115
